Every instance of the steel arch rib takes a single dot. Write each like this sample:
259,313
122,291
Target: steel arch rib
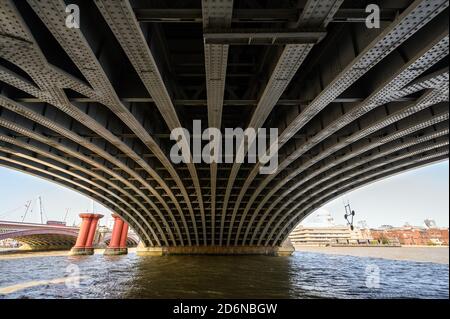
435,51
287,65
361,160
73,42
112,204
131,221
423,103
17,108
381,176
34,136
11,105
59,100
371,55
31,232
46,171
28,147
215,15
401,29
397,135
428,147
123,23
352,105
436,156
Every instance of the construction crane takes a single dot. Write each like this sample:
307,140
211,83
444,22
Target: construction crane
65,216
27,207
41,210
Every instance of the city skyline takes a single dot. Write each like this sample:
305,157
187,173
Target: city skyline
17,188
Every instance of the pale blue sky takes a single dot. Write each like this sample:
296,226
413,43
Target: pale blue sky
408,197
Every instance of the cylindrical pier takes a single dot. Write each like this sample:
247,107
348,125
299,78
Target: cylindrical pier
84,243
118,243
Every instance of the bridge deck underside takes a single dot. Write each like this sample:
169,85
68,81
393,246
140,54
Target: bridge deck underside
92,108
47,242
42,238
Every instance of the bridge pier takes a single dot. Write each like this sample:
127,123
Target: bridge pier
118,243
85,238
284,250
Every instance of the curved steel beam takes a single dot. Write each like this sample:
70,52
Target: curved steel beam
123,23
73,42
345,176
369,129
71,164
42,120
426,58
76,154
215,15
52,93
21,83
418,14
291,58
400,30
34,232
88,181
377,152
86,191
395,169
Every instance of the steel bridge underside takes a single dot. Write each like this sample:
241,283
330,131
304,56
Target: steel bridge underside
92,108
43,239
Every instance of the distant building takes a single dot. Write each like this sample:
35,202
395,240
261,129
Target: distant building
9,243
413,235
323,236
362,224
322,232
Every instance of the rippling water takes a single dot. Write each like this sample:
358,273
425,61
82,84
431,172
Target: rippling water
303,275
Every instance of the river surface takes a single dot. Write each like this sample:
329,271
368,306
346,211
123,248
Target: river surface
303,275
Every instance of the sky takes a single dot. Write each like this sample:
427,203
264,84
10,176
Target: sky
408,197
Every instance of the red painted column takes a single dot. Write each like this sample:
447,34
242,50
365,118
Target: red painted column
116,233
84,230
92,230
124,236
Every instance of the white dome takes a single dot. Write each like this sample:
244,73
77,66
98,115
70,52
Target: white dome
320,218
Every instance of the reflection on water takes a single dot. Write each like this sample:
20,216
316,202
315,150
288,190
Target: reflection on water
303,275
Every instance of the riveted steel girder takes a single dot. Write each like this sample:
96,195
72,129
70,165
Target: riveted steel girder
216,14
92,108
417,159
287,65
425,59
132,40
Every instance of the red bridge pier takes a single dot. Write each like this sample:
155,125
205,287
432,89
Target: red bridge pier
118,243
86,235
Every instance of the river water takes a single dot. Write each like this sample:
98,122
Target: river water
303,275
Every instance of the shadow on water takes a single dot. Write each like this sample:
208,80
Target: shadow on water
212,277
303,275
